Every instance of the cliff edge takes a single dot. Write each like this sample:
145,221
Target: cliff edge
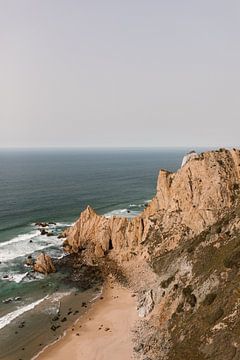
186,202
181,255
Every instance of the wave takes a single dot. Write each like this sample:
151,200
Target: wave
26,244
122,213
54,298
29,236
17,278
7,319
54,225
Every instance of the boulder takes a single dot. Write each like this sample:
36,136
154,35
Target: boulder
29,261
44,264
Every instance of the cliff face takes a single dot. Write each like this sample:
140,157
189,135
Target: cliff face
186,203
188,289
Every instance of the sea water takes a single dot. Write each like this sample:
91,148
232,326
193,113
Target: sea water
56,185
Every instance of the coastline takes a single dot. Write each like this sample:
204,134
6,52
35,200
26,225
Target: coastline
103,332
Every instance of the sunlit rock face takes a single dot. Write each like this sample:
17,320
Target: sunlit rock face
189,156
186,202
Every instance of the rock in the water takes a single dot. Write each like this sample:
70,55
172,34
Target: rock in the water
44,264
41,224
50,233
29,261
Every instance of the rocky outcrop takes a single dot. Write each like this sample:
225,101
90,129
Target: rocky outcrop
189,156
188,289
186,202
200,191
44,264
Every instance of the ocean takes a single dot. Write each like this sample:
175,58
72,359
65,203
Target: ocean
55,186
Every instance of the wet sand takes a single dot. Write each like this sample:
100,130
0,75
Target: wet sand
104,332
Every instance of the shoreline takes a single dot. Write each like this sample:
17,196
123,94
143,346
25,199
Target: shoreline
103,332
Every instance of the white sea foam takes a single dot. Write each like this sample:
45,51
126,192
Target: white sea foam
25,244
59,224
122,213
17,278
8,318
23,237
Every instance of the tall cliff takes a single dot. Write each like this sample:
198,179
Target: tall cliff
186,202
183,259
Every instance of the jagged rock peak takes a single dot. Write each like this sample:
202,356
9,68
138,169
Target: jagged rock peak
186,202
44,264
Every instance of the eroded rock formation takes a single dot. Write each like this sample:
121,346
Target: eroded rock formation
188,289
44,264
186,202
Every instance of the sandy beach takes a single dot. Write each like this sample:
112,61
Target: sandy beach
103,333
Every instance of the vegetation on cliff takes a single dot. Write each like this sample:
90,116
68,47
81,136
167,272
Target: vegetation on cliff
182,255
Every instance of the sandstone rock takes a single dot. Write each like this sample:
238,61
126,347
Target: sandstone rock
146,304
44,264
186,203
191,155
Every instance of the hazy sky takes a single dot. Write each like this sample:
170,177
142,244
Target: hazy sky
119,73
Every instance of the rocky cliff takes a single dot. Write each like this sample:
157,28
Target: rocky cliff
186,202
182,257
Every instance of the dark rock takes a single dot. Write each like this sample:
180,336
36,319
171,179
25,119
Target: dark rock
216,315
138,347
167,282
7,301
64,319
54,328
209,299
41,224
29,261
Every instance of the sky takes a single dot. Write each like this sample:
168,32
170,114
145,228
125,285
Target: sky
129,73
